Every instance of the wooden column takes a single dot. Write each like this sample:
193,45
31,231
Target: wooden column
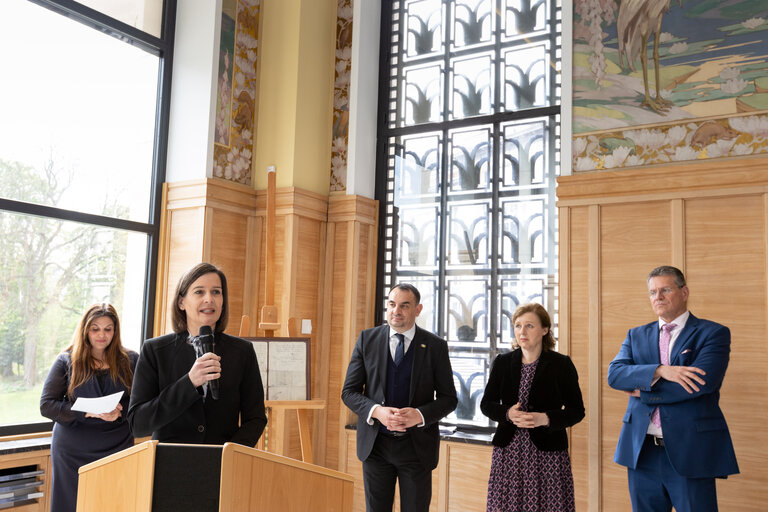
347,304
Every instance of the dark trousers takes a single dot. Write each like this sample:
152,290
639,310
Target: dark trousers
393,458
655,486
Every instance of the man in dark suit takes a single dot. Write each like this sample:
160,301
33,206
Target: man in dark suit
674,440
400,384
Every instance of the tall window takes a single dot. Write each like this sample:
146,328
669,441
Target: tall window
82,149
468,140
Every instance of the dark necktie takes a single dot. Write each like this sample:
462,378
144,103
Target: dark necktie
400,350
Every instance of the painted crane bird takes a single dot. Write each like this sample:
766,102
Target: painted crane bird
637,21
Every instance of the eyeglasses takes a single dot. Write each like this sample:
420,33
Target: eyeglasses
661,291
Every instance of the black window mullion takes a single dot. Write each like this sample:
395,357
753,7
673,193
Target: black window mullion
443,301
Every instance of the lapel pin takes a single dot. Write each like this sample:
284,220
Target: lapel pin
423,346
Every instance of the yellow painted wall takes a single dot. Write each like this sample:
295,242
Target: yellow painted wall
295,117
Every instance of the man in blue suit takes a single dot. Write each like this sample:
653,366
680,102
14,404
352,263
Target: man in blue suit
674,440
400,384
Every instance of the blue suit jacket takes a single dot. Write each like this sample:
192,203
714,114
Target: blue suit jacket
696,436
432,390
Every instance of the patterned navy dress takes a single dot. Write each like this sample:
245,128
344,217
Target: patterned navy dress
524,478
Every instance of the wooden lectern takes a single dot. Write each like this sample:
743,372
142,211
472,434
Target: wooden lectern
165,477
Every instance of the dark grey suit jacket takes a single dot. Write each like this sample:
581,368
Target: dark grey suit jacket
164,402
432,390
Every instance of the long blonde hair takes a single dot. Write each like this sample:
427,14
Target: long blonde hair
83,363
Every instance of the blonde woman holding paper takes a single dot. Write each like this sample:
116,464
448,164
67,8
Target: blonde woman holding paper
95,364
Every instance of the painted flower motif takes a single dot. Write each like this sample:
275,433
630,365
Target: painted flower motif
578,146
345,12
616,158
754,125
742,149
733,86
340,100
666,37
584,164
344,54
676,134
729,73
339,165
683,153
719,148
651,139
339,145
633,161
752,23
678,48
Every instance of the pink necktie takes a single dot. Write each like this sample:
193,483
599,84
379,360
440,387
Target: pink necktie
664,337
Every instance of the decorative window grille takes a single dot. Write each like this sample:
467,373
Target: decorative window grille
469,123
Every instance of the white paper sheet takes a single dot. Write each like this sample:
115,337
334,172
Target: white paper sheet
98,405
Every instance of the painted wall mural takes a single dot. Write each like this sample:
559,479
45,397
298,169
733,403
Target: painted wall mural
341,96
237,91
658,81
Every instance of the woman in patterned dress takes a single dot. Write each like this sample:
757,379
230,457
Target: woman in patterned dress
533,393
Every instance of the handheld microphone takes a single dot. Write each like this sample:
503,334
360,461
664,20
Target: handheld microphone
204,345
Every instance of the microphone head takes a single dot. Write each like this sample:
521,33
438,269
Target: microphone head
205,330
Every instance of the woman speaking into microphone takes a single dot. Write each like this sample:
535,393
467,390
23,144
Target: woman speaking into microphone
198,385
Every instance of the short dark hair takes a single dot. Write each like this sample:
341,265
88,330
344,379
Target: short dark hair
668,270
548,340
409,288
180,316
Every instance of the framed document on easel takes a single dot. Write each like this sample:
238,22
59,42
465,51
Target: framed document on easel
284,364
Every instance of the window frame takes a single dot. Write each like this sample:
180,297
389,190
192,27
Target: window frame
161,47
553,113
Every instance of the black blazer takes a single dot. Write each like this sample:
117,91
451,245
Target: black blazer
554,390
164,402
432,389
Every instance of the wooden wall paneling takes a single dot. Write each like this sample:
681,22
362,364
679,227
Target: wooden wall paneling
300,227
729,178
440,496
351,259
228,240
709,220
185,250
635,237
355,468
352,223
322,333
677,237
726,258
577,331
285,299
339,351
564,282
252,260
459,483
594,450
464,476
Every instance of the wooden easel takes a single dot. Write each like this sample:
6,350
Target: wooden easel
276,410
269,321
